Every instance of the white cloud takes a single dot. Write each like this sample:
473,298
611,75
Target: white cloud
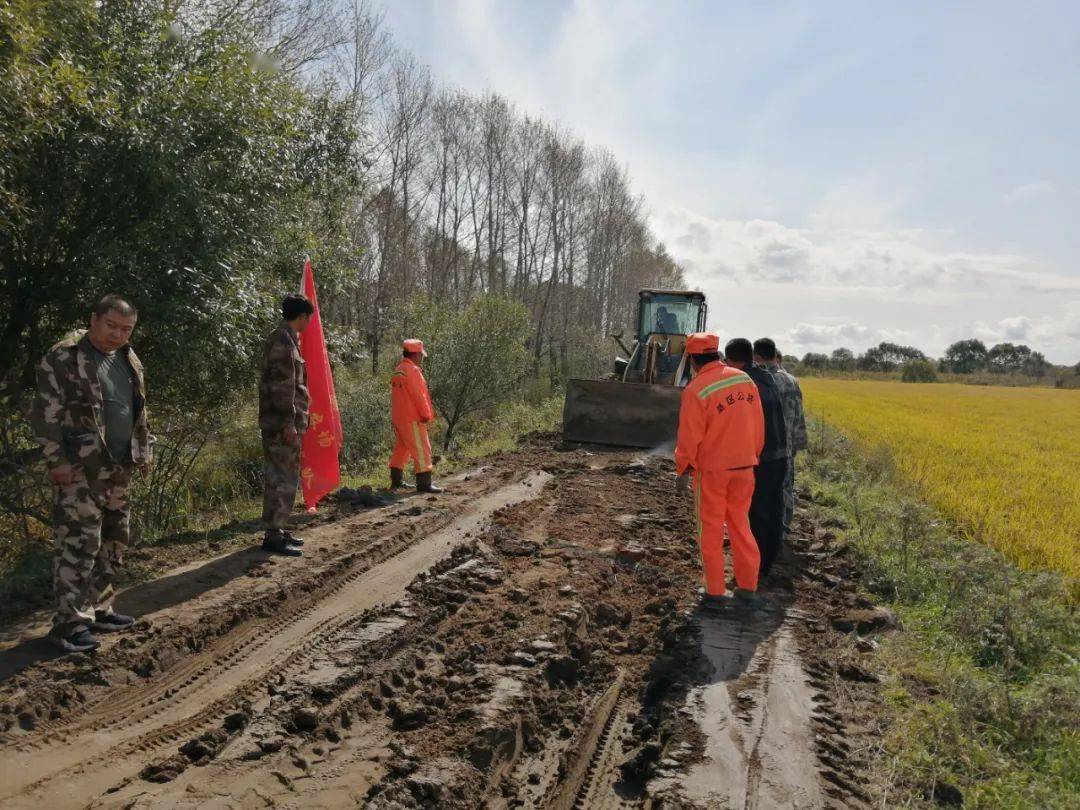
833,335
1029,191
1046,333
815,289
906,263
1018,328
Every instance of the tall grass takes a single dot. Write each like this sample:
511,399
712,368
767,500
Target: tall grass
982,689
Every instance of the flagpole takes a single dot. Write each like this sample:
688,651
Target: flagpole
311,510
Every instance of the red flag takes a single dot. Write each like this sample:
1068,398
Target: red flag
320,472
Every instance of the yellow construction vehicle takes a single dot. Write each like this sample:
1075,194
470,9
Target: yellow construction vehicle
638,405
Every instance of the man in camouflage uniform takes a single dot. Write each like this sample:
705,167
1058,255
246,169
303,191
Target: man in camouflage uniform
283,418
767,355
89,415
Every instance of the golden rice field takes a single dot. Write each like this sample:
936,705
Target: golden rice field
1003,462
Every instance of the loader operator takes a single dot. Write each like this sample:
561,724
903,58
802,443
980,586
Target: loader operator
411,411
666,322
721,435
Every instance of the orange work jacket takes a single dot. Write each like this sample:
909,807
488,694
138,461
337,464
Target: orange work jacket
721,424
409,397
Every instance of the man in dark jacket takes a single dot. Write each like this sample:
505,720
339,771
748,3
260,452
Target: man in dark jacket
283,418
767,505
768,357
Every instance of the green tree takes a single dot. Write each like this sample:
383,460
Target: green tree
477,358
888,357
815,360
966,356
842,360
145,156
1009,358
1036,365
919,371
147,149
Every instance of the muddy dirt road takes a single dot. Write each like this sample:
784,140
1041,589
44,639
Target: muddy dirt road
528,639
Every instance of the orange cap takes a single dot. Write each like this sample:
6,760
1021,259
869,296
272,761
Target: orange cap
703,343
412,345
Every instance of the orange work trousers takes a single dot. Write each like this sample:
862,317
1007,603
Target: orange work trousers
412,443
723,498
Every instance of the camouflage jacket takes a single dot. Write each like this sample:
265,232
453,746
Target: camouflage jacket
791,397
283,391
66,414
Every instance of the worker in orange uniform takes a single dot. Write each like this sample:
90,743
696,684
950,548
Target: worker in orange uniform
411,411
721,434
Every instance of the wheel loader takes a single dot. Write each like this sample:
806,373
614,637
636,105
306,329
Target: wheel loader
638,404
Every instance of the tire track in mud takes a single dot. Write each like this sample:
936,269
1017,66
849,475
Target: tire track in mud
600,788
229,649
582,763
131,705
202,688
554,659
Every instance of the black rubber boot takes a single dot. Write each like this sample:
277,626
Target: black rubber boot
423,483
274,541
397,478
292,539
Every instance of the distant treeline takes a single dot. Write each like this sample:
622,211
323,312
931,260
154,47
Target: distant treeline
965,357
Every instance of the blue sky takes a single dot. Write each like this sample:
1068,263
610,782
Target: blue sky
830,173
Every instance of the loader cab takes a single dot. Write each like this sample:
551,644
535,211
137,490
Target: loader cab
670,313
665,319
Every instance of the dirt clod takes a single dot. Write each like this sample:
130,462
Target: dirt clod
563,670
865,620
306,718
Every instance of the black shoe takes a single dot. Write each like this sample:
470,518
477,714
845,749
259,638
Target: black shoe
715,600
111,622
80,641
423,483
749,599
275,543
292,539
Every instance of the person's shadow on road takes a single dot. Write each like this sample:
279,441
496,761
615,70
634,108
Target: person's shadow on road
140,600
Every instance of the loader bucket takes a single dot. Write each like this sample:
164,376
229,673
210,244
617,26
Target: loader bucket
621,413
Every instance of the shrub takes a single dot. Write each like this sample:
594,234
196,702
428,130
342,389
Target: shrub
364,402
477,357
919,371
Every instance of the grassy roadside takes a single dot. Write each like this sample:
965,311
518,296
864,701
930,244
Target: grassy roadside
983,689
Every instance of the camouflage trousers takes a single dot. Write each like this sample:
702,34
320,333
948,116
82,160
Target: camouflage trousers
281,478
90,519
789,496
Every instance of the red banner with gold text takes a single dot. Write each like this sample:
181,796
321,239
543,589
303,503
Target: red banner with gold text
320,472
